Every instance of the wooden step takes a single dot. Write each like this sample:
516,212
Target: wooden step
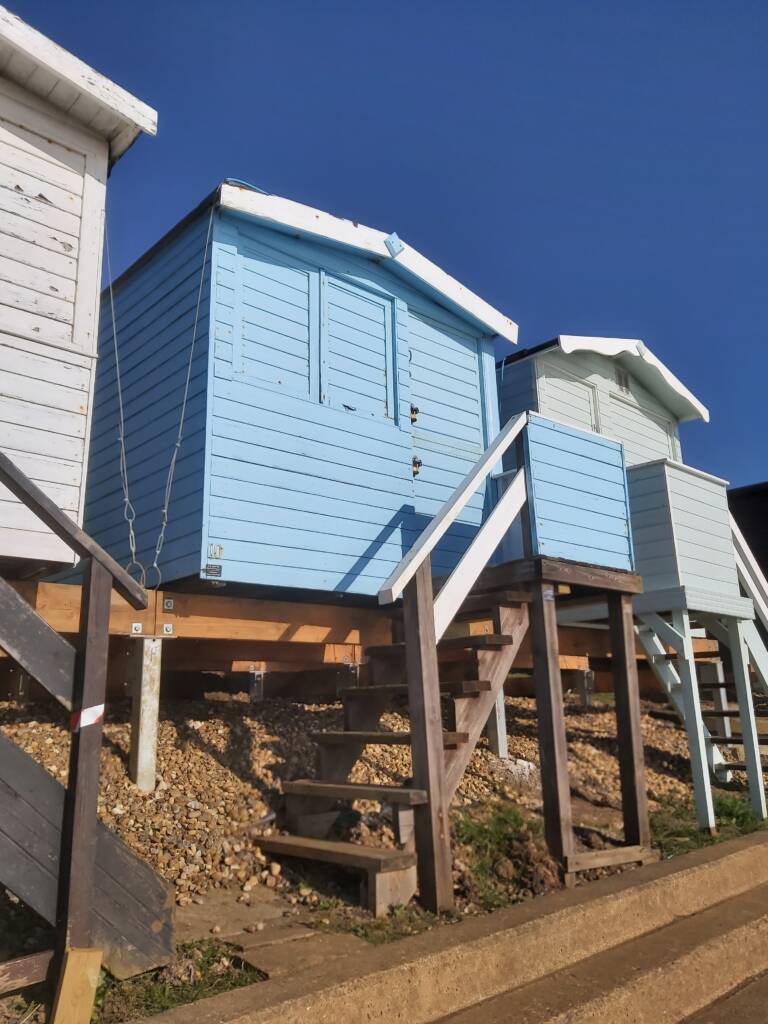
734,741
731,713
461,688
737,766
387,739
483,641
356,791
348,855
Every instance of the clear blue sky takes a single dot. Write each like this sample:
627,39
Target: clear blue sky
588,167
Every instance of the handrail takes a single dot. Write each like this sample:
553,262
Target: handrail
431,536
455,589
751,575
68,531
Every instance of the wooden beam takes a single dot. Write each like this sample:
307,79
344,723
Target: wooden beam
634,799
590,859
556,570
433,842
24,971
59,523
553,749
31,642
59,605
79,836
217,617
237,655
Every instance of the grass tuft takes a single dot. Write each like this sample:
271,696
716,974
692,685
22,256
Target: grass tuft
674,828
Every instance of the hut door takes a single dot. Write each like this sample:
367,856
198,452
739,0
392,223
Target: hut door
448,433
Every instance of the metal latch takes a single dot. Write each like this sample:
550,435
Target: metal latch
416,465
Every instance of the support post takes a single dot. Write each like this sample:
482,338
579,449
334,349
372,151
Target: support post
433,841
553,750
77,860
749,738
694,725
496,728
145,711
634,799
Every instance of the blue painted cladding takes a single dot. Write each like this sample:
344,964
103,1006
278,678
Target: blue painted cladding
577,492
155,309
309,458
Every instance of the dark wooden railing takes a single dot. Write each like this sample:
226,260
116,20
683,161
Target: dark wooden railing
76,675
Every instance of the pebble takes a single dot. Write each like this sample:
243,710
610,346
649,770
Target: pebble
217,759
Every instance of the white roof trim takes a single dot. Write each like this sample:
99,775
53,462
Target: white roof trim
638,359
673,464
305,220
43,67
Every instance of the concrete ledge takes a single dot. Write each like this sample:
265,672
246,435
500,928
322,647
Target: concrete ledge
441,972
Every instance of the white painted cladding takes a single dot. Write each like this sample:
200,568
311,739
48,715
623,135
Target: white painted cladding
582,389
52,189
681,529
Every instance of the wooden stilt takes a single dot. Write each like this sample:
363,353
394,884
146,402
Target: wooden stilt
76,991
78,840
145,710
553,751
431,819
752,760
634,799
694,726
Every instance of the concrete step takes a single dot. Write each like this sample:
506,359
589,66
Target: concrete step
660,978
356,791
747,1005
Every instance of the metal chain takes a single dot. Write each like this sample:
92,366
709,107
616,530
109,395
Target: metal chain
179,436
129,512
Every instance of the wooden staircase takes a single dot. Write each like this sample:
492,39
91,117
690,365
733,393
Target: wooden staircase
106,903
452,683
444,733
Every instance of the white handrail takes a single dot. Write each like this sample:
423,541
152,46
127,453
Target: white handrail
433,534
750,574
455,589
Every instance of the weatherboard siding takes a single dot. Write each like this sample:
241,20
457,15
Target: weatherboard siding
577,495
309,479
52,187
581,390
682,530
155,314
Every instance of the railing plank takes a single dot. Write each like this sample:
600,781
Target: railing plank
750,574
31,642
475,558
433,534
68,531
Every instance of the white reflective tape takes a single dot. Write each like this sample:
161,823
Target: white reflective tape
88,716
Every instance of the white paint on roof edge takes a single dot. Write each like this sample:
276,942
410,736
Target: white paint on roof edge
638,359
286,213
673,464
136,116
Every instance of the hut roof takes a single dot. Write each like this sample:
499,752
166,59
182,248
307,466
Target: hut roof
305,221
635,357
46,69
